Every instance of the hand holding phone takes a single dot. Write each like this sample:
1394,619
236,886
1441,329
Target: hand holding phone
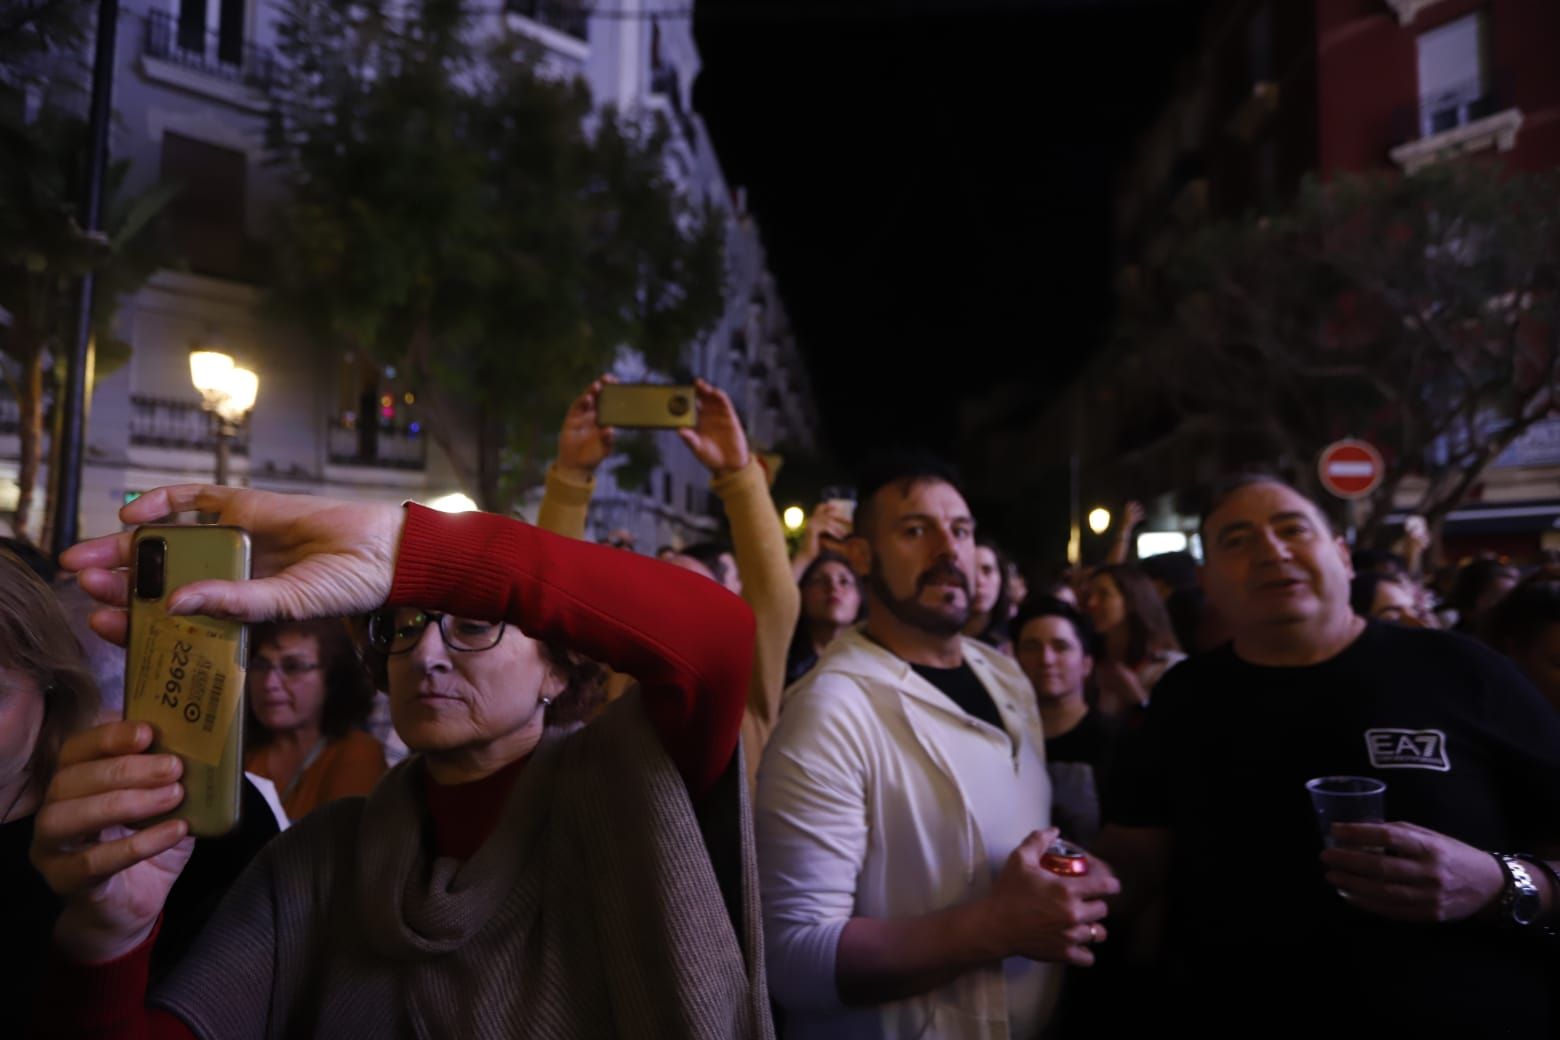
114,880
717,439
184,676
584,443
315,557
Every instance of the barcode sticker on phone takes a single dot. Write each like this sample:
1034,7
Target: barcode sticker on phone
185,689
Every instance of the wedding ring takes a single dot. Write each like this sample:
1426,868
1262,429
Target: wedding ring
1094,933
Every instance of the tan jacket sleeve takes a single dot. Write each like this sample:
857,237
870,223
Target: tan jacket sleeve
565,504
758,541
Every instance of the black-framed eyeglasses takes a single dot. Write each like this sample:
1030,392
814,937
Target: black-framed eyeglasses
262,667
397,632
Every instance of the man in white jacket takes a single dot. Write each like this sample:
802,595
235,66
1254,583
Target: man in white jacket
903,807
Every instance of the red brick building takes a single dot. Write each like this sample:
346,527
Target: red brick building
1279,89
1409,80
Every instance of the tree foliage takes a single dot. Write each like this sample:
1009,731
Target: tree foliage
1417,312
456,212
44,251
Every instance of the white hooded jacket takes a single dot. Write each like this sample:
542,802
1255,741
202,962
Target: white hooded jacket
880,797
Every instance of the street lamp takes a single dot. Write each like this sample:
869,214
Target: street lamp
226,392
793,518
1099,519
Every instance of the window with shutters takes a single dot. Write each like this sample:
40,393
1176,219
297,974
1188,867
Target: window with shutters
1453,74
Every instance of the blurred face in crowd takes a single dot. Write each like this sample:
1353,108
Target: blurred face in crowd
988,579
1396,601
21,717
919,555
1051,655
1018,588
830,596
1104,603
1541,661
444,700
1272,560
287,683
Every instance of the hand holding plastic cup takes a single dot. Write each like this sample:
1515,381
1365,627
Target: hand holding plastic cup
1346,799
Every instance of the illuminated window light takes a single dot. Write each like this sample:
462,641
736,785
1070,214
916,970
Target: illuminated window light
1157,543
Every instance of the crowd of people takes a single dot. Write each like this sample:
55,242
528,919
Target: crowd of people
501,781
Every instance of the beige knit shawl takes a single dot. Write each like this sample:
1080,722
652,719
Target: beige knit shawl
592,911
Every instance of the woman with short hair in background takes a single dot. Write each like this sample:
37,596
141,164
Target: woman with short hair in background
309,696
831,603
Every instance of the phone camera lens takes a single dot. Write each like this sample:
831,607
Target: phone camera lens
150,556
677,404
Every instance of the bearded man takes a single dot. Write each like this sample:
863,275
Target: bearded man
903,806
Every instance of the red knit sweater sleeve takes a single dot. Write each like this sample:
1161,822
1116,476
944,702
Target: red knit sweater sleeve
686,639
103,1001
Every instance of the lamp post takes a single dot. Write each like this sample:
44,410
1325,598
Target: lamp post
65,476
227,392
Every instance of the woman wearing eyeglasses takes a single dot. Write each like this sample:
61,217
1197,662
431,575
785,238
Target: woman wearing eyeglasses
519,876
308,698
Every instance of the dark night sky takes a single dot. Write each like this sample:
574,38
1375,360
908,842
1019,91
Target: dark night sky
933,182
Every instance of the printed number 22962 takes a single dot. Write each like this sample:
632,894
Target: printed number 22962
181,661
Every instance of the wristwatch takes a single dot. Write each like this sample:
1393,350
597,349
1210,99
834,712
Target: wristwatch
1519,898
1538,863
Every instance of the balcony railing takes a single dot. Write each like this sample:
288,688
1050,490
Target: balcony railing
391,447
159,423
1458,106
1451,108
220,54
567,16
1454,122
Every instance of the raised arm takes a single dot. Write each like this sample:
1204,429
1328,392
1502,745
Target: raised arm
571,479
687,640
720,443
758,542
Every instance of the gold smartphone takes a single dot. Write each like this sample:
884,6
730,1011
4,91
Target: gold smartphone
185,675
646,405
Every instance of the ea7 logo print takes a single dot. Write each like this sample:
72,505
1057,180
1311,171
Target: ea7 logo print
1408,749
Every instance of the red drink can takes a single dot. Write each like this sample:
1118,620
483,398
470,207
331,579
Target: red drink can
1065,858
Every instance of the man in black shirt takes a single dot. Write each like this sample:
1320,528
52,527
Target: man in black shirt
1429,923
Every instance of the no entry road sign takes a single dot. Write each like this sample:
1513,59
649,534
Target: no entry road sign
1350,468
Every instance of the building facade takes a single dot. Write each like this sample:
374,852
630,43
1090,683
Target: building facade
1276,90
191,93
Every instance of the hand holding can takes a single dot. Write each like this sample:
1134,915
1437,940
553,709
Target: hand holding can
1064,858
